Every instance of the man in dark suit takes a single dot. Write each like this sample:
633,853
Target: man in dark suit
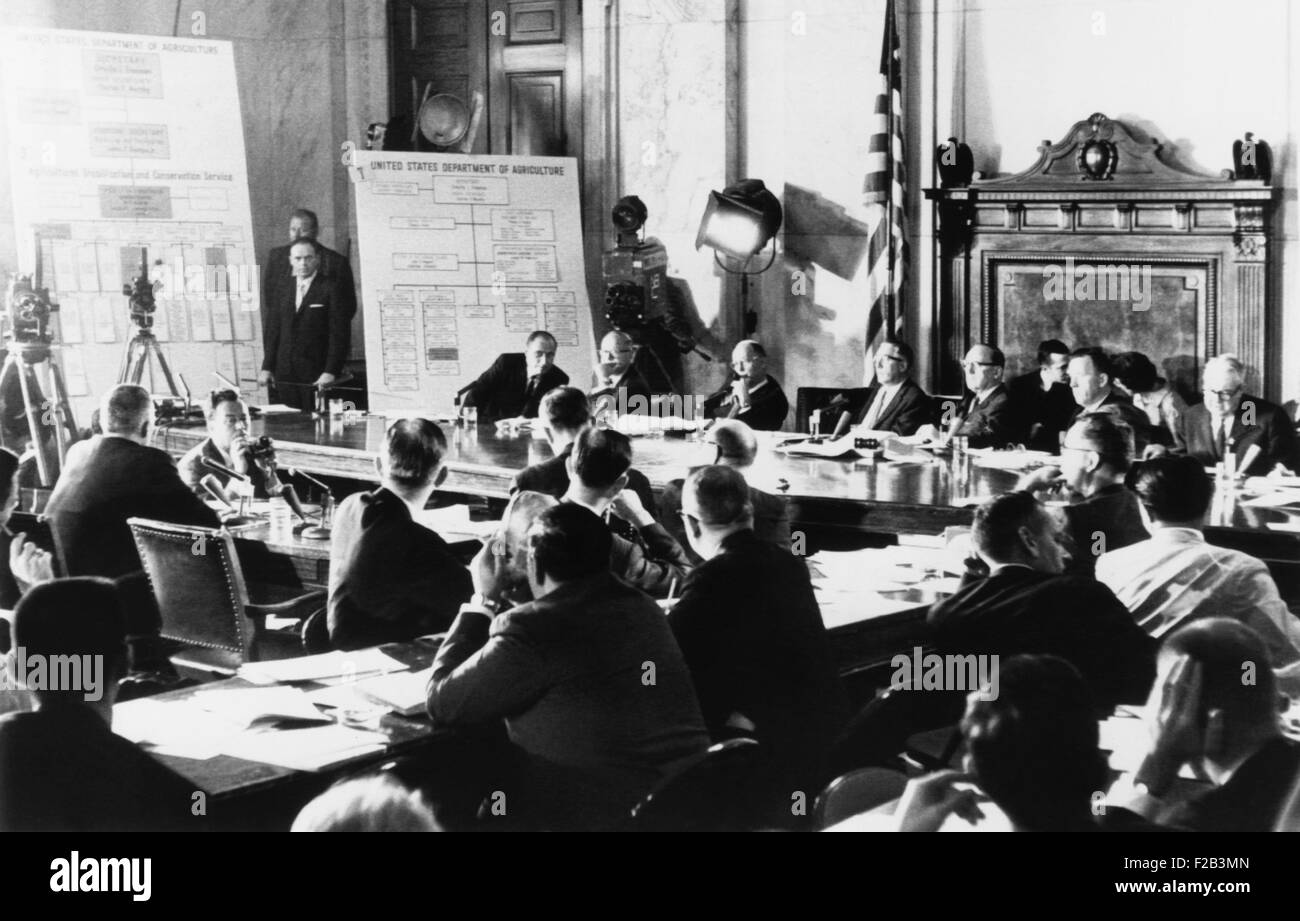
1026,605
619,372
752,634
564,413
751,395
120,477
1092,386
1042,398
391,578
654,562
737,449
987,418
1256,432
278,275
1103,514
895,402
513,386
308,330
568,674
61,766
227,444
1204,714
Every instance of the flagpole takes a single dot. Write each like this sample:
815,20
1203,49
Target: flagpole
889,197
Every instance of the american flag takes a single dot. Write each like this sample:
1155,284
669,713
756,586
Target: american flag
883,196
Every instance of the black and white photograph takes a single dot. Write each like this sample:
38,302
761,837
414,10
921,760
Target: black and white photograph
633,416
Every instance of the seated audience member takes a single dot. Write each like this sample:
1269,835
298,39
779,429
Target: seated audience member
61,766
598,481
737,448
568,674
1032,749
1042,398
516,382
1092,382
391,578
376,803
618,370
1204,715
564,412
1256,432
1175,576
22,563
987,418
752,634
895,402
1151,393
751,395
1103,513
1026,605
121,477
228,445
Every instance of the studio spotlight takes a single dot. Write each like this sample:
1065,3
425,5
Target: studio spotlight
740,220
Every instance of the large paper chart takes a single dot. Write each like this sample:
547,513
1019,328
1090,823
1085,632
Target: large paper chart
461,258
121,143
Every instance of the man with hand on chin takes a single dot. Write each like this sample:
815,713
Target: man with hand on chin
228,444
752,395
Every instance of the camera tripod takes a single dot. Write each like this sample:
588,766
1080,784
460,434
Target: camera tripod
41,415
142,346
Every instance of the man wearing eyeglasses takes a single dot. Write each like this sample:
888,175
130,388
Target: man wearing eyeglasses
987,418
1254,431
618,370
895,402
751,395
516,382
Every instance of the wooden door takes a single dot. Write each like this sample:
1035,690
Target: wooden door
525,56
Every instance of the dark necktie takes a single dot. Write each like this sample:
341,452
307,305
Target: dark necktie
1220,439
530,394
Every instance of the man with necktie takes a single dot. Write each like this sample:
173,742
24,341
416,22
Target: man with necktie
751,394
308,330
895,402
1256,432
516,382
987,418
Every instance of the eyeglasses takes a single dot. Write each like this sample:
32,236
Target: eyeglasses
972,365
1222,394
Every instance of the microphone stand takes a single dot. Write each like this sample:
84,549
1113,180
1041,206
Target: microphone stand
321,531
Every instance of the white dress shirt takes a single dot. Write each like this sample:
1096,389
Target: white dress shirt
303,285
884,397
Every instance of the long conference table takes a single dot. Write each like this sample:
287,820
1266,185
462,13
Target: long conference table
919,493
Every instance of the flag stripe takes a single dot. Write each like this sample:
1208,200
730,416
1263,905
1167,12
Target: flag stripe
883,194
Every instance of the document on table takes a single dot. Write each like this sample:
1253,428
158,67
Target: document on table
454,519
314,748
247,706
314,668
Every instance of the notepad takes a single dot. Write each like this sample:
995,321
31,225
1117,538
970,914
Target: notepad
402,692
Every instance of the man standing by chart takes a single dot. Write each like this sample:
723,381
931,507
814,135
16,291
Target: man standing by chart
308,330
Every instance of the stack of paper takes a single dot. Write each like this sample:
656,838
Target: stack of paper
312,749
315,668
402,692
247,706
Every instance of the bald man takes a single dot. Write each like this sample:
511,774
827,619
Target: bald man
751,395
618,369
987,417
1256,432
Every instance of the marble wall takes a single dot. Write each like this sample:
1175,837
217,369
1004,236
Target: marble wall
311,73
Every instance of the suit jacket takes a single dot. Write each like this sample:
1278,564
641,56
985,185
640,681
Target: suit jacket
753,637
652,563
1144,433
552,477
63,769
192,470
499,392
118,479
632,382
991,424
767,406
1019,610
1251,800
302,343
1272,431
771,518
391,579
1105,521
908,411
1043,414
277,277
567,673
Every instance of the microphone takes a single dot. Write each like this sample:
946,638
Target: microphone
213,486
842,426
222,468
321,531
276,487
188,402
